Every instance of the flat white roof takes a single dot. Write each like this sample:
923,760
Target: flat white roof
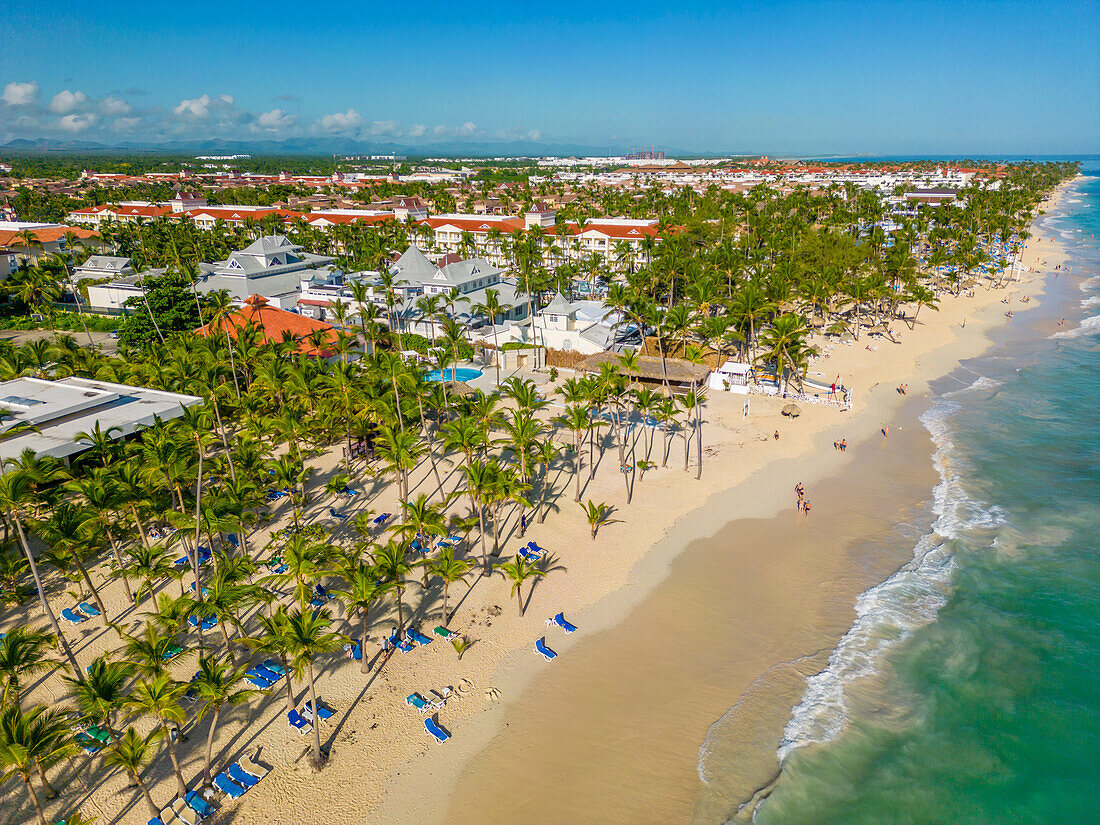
60,409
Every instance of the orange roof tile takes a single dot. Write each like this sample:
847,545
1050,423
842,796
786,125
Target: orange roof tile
272,323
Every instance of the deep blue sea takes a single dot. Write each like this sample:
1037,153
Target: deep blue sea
968,691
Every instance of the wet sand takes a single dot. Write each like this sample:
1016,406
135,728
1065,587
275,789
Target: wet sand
611,732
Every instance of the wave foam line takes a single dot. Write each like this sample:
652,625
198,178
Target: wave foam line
893,610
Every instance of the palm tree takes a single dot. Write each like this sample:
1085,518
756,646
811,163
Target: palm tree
101,692
22,654
392,565
29,742
491,308
598,515
308,636
159,699
216,684
450,570
518,571
785,344
400,450
273,639
131,752
16,489
66,531
360,594
149,565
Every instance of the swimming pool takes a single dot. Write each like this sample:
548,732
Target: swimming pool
461,374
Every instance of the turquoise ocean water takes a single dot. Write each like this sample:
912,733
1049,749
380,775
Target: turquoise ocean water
968,691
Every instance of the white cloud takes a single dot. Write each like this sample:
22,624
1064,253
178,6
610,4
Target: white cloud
201,107
20,94
77,123
341,121
468,128
114,106
276,119
418,130
67,101
534,134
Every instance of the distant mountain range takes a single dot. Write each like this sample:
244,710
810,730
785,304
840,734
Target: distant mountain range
325,146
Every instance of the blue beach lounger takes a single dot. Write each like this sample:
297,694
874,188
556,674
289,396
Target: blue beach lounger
224,784
534,548
88,610
199,805
245,780
431,727
73,618
382,518
323,712
418,637
257,682
154,821
529,554
275,667
270,675
418,702
337,515
560,621
544,651
295,720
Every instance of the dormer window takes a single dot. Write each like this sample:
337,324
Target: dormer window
235,265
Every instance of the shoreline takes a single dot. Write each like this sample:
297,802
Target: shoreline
418,800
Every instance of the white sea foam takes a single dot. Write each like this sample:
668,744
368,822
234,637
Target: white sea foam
1090,326
1091,302
907,601
1089,284
980,383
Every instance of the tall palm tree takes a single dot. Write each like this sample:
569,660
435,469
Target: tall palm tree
30,742
392,565
132,753
491,308
217,684
518,571
16,490
450,570
309,636
160,699
102,692
361,592
273,639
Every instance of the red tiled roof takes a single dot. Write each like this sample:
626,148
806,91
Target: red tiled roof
272,323
11,237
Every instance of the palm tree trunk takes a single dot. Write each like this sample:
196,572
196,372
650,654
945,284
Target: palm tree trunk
316,716
118,561
210,747
365,667
51,791
61,640
154,811
577,466
181,786
34,799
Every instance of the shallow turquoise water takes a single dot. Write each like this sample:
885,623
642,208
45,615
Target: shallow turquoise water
970,690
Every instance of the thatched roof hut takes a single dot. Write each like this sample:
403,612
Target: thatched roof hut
681,374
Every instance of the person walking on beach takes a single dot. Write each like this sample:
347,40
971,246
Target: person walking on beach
801,492
843,444
886,431
776,436
806,507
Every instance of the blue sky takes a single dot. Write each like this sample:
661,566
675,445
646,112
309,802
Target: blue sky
826,77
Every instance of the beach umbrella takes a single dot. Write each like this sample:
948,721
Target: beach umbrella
792,411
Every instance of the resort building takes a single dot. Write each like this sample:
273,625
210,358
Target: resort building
270,266
102,266
55,412
560,325
619,242
314,339
50,238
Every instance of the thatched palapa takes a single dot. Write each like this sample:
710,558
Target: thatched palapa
681,374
